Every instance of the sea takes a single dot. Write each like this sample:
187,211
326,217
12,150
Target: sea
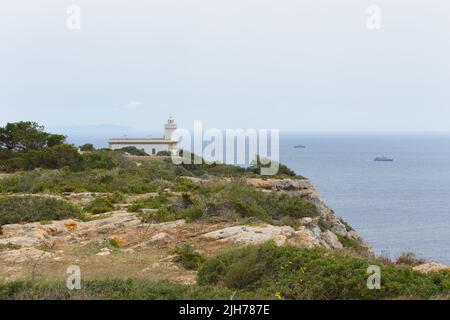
399,206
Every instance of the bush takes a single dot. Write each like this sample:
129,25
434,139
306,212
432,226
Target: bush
116,289
23,209
56,157
100,205
87,147
148,203
409,259
299,273
188,257
134,151
100,159
164,154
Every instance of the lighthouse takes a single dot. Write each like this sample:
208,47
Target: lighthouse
169,128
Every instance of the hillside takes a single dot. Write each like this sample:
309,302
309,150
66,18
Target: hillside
155,230
168,223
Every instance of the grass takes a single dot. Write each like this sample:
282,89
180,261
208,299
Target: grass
128,289
9,246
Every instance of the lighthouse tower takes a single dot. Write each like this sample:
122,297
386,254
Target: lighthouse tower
169,128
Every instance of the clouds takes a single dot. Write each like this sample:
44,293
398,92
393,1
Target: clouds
133,105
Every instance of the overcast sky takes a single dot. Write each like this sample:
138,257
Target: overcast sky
288,64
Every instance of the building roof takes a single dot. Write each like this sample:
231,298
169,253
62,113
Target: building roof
141,141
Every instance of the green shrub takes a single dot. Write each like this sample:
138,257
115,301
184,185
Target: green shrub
116,289
188,257
100,205
164,154
100,159
149,203
298,273
409,259
351,244
22,209
9,246
134,151
87,147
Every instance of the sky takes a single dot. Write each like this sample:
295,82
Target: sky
287,64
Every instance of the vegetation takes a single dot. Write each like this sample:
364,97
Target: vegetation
21,209
99,205
9,246
409,259
297,273
46,164
149,203
87,147
265,271
228,200
164,154
188,257
134,151
131,289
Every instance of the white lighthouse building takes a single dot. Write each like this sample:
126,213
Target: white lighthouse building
150,145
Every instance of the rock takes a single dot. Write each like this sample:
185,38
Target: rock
305,189
128,250
251,235
23,241
158,237
303,237
331,239
105,249
431,267
103,253
24,255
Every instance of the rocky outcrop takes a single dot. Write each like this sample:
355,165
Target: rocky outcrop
305,189
281,235
431,267
322,231
24,255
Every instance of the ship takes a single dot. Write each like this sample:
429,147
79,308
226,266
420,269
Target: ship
383,158
299,146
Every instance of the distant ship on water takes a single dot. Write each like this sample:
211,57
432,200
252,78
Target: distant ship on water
383,158
299,146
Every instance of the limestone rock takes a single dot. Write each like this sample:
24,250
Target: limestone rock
23,241
158,237
24,255
431,267
281,235
103,253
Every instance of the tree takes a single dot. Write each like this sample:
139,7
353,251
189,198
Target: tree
134,151
87,147
164,153
27,136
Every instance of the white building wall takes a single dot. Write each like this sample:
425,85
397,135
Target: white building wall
148,148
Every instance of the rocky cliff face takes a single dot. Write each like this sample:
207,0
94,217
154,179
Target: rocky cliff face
31,242
327,218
